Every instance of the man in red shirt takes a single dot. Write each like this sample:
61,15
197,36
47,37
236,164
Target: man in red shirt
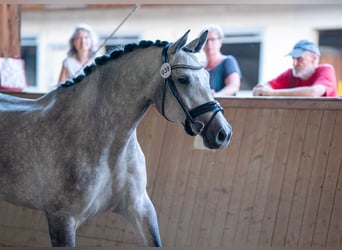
306,78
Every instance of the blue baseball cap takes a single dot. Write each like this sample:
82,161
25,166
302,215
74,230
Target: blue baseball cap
302,46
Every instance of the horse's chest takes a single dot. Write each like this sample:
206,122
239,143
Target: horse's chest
105,192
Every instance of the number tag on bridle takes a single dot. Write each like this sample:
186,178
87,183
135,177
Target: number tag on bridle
165,70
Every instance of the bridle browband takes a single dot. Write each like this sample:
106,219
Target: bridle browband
212,106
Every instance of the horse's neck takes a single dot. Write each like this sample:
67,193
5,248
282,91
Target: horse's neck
129,82
112,93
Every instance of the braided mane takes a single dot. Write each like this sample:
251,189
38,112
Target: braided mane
116,53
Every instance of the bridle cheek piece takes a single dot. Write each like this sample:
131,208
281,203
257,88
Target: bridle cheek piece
190,121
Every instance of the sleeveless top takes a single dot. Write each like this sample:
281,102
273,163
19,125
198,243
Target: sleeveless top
73,67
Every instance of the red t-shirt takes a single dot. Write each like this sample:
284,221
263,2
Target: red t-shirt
323,75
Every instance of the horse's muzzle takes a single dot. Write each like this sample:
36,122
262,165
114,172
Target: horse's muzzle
218,138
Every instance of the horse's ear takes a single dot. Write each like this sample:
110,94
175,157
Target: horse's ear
197,44
175,47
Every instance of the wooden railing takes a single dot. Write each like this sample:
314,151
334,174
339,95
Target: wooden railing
277,184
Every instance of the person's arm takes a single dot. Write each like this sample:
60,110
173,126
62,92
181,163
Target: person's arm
63,75
232,86
260,88
316,90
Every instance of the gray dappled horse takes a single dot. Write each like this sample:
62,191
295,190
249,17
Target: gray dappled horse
73,153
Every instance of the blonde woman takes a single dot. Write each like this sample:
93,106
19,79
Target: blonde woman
81,51
224,70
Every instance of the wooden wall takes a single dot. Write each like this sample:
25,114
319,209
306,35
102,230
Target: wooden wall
277,184
9,30
335,59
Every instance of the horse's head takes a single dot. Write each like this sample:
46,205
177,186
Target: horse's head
186,94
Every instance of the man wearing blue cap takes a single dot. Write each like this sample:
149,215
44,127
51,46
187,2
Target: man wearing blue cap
306,78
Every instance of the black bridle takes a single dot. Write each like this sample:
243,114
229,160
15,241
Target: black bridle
212,106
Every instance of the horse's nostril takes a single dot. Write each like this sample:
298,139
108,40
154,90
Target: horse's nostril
223,137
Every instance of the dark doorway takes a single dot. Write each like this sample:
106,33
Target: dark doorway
331,38
248,57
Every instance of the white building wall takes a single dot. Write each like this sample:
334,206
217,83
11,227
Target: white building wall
280,26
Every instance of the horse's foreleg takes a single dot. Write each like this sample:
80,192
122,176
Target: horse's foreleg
62,231
143,217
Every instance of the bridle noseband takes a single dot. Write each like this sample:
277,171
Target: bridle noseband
212,106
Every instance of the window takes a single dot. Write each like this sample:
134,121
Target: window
246,48
29,55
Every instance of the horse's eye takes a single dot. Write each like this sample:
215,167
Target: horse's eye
183,80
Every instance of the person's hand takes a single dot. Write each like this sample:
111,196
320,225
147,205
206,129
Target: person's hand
262,90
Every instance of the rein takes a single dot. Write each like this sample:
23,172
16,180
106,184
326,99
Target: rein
212,106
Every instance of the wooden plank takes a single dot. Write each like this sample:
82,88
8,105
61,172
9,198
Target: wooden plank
290,176
178,193
174,158
14,33
200,199
23,237
20,225
335,229
3,30
231,103
314,103
107,226
76,5
229,178
273,199
302,180
264,180
240,176
218,192
201,227
209,208
167,172
189,203
227,174
254,169
9,30
328,197
215,191
317,177
22,94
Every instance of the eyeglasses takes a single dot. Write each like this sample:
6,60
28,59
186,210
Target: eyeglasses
214,39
